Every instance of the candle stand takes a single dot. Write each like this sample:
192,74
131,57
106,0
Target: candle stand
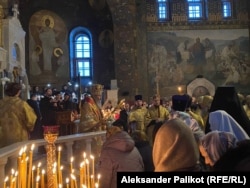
50,135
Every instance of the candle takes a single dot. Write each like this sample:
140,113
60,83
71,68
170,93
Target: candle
74,180
38,169
98,179
96,185
92,181
67,182
32,176
71,164
37,181
88,175
81,173
55,175
12,176
5,181
93,164
59,163
19,168
60,175
42,181
30,165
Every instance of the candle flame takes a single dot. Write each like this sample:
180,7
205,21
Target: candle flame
73,177
33,168
59,148
43,171
21,151
92,157
6,179
37,178
72,159
32,147
67,180
12,171
39,164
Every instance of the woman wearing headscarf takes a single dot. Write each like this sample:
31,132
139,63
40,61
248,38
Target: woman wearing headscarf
175,148
226,98
220,120
118,153
215,144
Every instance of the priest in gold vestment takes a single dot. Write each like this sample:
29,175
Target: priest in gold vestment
17,117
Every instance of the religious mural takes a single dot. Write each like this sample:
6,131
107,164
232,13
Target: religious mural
48,47
178,57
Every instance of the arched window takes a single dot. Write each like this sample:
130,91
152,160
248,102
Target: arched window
163,9
227,8
81,58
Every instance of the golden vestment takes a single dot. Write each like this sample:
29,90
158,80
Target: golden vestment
91,116
137,117
17,119
153,116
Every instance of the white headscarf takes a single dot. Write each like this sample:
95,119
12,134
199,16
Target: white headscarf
220,120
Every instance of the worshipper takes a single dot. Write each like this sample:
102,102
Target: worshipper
175,148
226,98
118,153
204,104
145,149
247,105
156,114
215,144
220,120
37,132
136,117
180,104
47,108
17,117
235,159
123,114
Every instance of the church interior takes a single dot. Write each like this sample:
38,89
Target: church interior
130,46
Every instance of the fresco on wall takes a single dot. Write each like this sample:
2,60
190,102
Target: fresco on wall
48,47
221,56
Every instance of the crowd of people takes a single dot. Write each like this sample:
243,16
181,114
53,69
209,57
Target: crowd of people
210,133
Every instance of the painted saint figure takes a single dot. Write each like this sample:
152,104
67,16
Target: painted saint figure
48,38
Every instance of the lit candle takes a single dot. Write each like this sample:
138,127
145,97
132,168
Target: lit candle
67,182
81,173
38,169
96,185
16,176
55,175
32,176
37,181
12,176
71,164
42,181
5,181
93,164
59,164
98,179
60,175
92,181
74,180
88,175
19,168
30,165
